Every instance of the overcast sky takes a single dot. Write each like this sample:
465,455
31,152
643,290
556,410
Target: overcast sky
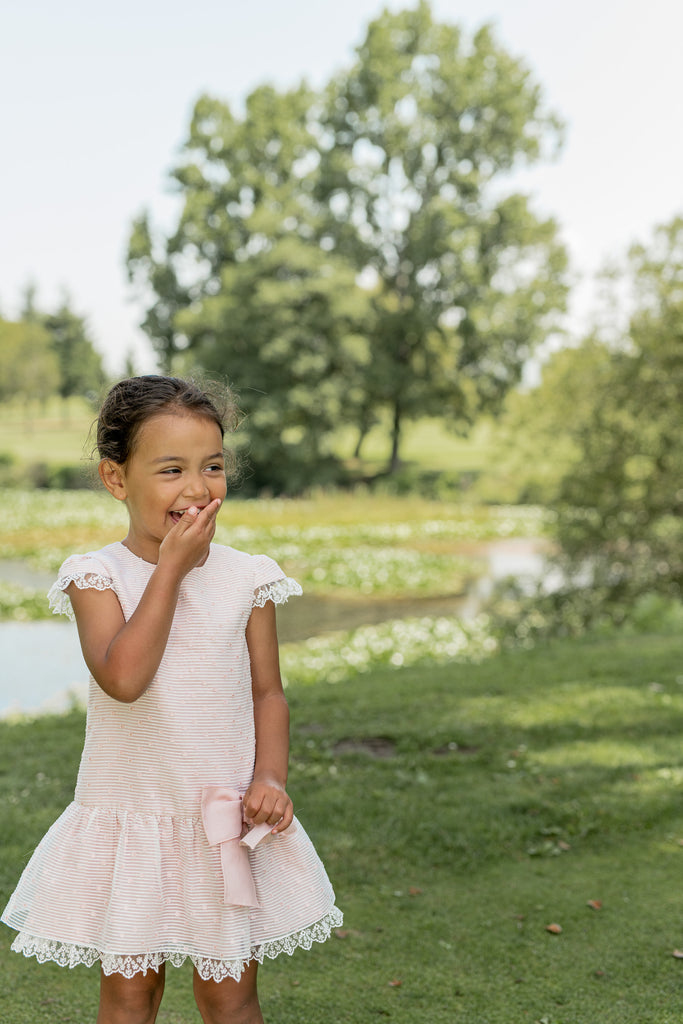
96,100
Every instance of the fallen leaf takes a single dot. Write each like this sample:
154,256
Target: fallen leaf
594,904
341,933
414,891
395,983
554,929
678,953
562,845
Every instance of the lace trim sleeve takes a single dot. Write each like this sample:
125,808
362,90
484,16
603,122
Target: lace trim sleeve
59,602
277,592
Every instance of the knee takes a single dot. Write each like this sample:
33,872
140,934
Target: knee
228,1000
133,999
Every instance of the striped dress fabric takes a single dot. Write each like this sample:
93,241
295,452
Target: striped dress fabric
126,874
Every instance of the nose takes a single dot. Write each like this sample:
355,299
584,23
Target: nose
196,488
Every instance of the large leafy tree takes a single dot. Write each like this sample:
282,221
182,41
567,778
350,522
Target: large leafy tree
243,289
419,136
621,512
353,254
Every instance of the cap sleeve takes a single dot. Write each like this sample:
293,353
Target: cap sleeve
271,584
87,572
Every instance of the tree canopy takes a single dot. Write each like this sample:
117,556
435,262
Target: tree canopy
621,509
358,253
47,353
29,367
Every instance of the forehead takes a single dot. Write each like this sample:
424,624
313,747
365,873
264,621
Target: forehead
173,433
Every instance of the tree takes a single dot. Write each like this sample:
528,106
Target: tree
535,439
242,289
80,365
418,137
353,253
621,511
29,368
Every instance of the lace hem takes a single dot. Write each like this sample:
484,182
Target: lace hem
59,602
70,954
277,592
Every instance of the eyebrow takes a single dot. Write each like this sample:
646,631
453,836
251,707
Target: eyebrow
179,458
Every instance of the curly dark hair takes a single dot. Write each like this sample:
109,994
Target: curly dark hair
131,402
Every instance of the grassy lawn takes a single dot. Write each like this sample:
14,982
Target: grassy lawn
460,810
56,432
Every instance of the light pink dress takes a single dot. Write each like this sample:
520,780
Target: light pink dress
126,875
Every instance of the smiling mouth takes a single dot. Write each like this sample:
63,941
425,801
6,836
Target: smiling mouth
178,513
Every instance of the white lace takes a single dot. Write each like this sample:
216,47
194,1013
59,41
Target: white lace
59,602
69,954
277,592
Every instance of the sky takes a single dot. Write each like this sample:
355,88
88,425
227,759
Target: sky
95,101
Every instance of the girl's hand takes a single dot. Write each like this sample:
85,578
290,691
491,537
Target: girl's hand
187,543
267,801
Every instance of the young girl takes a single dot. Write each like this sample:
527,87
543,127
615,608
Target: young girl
181,840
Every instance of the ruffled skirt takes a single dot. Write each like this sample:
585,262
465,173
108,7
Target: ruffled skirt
137,890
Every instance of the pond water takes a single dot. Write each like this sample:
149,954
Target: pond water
43,669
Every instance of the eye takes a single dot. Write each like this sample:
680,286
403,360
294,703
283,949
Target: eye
167,472
216,467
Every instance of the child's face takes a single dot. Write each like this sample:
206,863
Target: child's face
177,462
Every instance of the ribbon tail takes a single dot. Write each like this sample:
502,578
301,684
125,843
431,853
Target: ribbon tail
255,834
238,882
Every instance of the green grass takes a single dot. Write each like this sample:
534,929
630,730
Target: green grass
56,433
426,443
514,792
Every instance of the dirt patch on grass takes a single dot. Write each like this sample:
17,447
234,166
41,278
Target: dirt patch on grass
375,746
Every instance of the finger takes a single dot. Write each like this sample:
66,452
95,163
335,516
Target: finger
251,805
285,821
184,523
206,517
212,508
281,807
189,518
270,810
208,511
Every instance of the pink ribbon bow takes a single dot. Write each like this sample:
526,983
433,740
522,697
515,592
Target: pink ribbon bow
224,825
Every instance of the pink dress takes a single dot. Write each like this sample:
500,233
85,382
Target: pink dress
127,874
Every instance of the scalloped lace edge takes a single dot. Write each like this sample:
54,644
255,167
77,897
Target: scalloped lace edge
277,592
59,602
69,954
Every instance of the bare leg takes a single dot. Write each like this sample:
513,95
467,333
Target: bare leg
228,1001
131,1000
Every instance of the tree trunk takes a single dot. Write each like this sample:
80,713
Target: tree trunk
394,461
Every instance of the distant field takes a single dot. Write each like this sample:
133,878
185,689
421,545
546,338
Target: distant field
427,444
57,433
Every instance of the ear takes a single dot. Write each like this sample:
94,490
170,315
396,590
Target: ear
113,478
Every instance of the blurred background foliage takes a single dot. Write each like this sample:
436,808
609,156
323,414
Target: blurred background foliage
356,261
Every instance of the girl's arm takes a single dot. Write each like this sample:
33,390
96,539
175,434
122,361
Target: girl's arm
123,657
266,799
